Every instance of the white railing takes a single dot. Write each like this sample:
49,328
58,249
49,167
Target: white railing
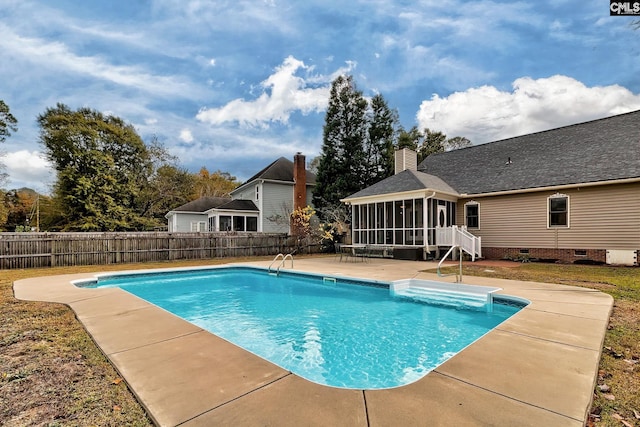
459,236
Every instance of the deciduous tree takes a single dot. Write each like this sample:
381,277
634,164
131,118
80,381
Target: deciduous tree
8,123
456,143
216,184
101,164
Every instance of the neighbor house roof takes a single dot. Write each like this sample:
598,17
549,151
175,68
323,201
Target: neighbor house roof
407,180
597,151
239,205
279,170
204,204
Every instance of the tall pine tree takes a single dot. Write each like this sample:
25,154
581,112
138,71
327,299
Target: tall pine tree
342,168
383,123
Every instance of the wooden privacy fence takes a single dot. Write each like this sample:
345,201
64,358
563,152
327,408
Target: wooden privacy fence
30,250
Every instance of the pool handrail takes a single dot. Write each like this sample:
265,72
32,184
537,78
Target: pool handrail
457,274
284,259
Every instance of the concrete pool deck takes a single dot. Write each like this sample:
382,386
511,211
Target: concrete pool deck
537,368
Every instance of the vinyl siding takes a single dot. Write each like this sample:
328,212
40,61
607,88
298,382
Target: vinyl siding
600,217
277,199
183,221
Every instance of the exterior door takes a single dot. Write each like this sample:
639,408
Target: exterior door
441,220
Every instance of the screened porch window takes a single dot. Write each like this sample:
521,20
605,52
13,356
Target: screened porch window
399,223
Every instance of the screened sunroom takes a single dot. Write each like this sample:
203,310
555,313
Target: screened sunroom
411,209
401,222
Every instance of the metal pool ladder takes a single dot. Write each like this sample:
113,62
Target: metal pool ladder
284,259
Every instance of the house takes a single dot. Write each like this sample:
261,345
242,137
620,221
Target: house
569,194
262,204
214,214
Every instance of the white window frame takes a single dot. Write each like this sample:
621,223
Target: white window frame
198,226
558,196
471,203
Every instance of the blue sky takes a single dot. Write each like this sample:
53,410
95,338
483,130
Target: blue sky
233,85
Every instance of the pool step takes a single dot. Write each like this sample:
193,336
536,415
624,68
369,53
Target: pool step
444,297
443,293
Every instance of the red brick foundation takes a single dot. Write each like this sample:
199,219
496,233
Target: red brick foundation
560,255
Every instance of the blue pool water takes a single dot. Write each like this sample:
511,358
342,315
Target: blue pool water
343,334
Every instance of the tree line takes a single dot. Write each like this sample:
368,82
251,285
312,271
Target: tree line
107,177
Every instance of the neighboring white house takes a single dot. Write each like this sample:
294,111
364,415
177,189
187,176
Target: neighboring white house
262,204
214,214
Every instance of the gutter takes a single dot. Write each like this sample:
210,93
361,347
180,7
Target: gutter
551,188
395,196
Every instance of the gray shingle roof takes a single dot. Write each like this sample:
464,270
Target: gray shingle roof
203,204
600,150
280,170
407,180
239,205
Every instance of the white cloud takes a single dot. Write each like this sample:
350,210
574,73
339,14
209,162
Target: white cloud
28,169
186,135
283,93
58,56
485,113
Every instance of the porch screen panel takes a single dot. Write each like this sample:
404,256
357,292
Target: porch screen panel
398,222
451,214
380,218
419,224
409,213
398,214
388,221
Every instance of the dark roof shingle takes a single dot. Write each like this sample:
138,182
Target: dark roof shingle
600,150
239,205
407,180
280,170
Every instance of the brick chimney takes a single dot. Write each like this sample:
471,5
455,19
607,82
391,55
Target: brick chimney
300,181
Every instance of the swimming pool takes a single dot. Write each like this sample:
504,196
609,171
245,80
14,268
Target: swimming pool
333,331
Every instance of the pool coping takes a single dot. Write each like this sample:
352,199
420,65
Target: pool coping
537,368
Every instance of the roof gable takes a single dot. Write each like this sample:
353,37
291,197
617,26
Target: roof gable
280,170
600,150
407,180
